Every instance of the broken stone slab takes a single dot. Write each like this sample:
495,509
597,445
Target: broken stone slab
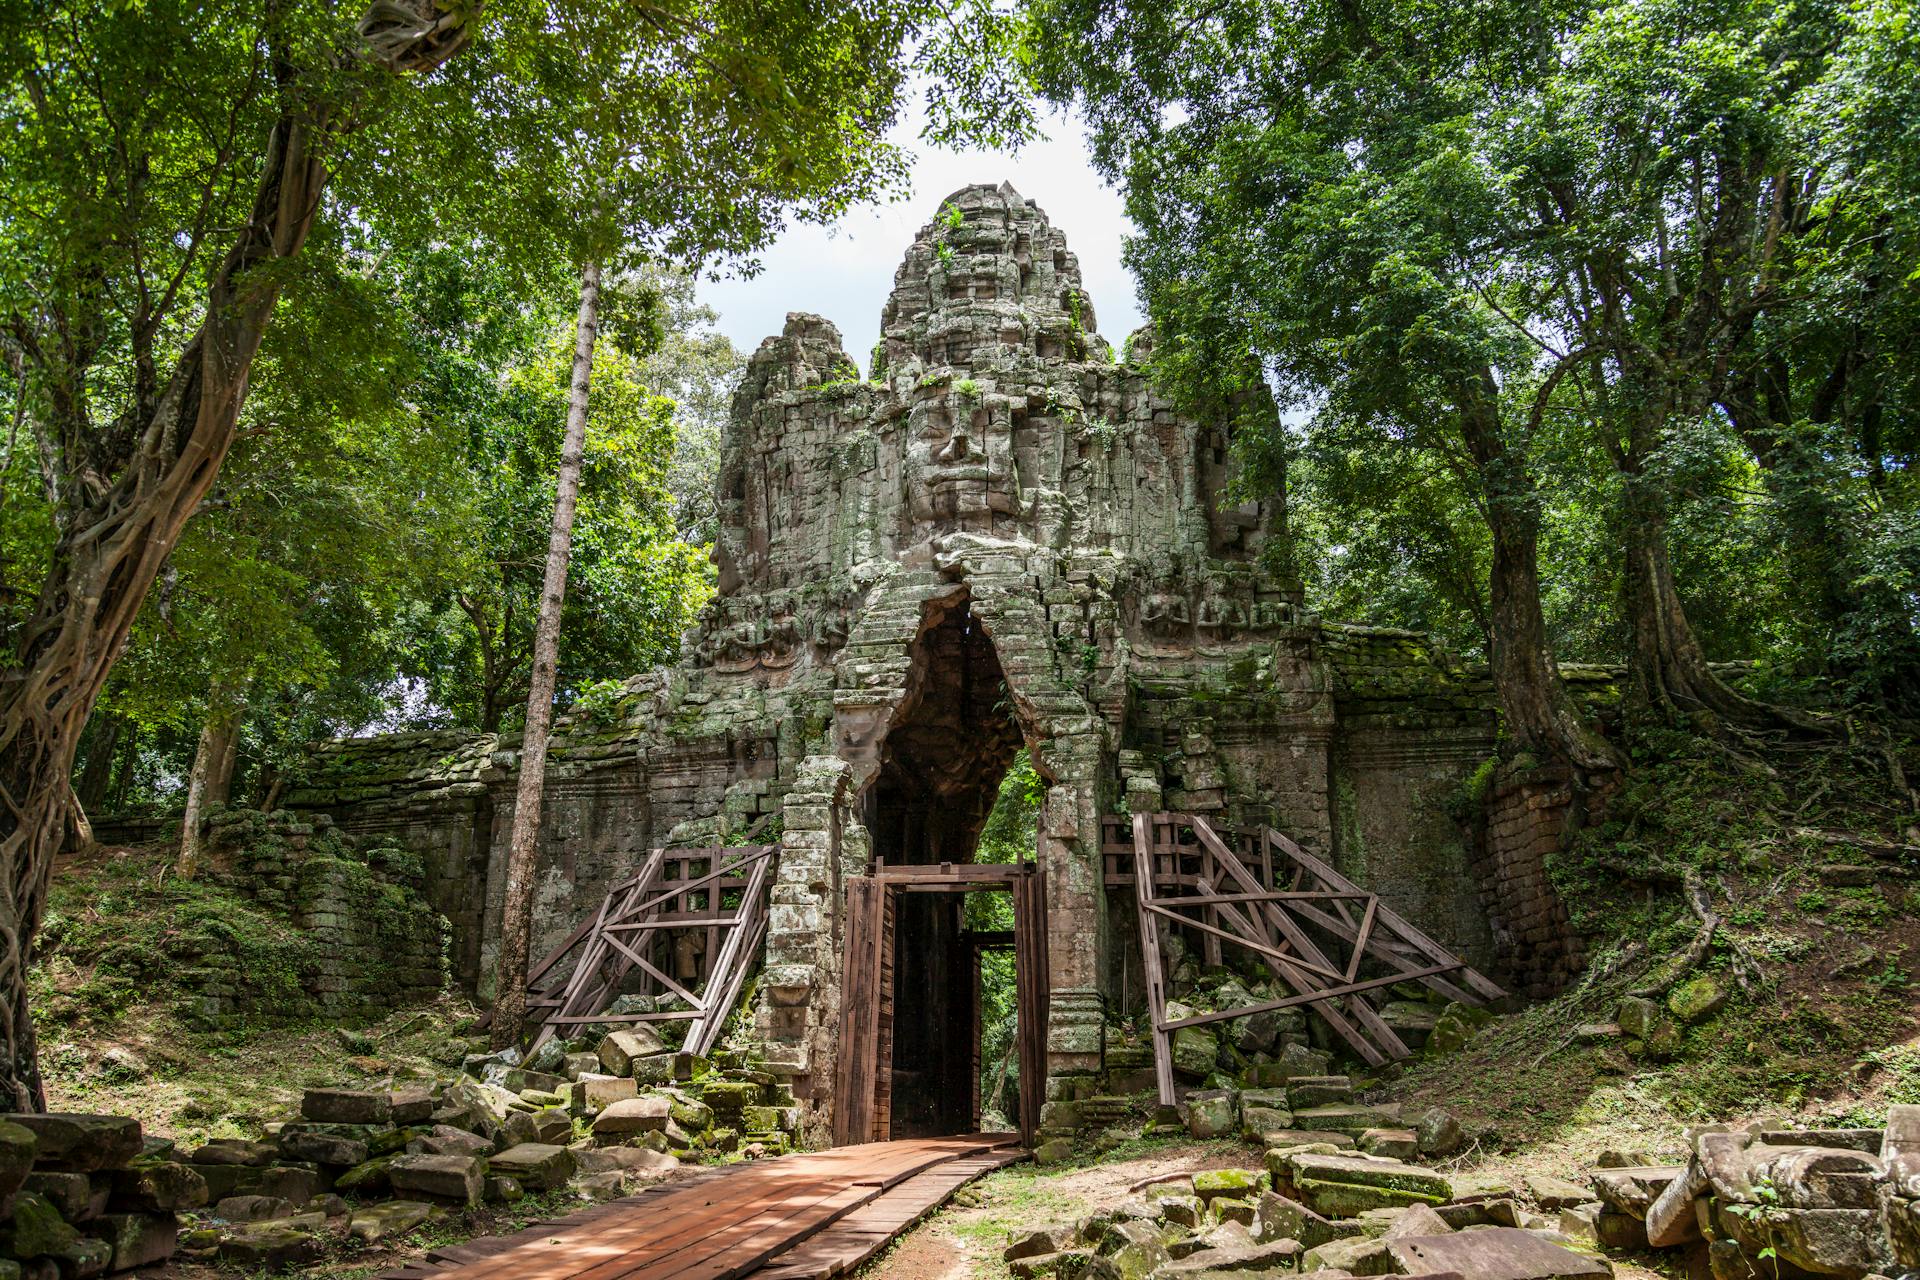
631,1116
1066,1264
1213,1114
75,1142
298,1142
253,1208
1395,1144
1232,1209
1867,1140
592,1094
1353,1120
1828,1242
444,1139
636,1160
1554,1194
459,1179
17,1146
347,1106
1494,1253
73,1194
234,1151
270,1246
1277,1217
1034,1244
156,1186
1416,1220
536,1166
1212,1184
1356,1255
1253,1257
393,1218
618,1049
1306,1092
1632,1190
137,1239
371,1178
1288,1139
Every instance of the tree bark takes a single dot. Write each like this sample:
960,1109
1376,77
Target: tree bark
106,559
516,922
102,750
1669,671
1533,702
209,784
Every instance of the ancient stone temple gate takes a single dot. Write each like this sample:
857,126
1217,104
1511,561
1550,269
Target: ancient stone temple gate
1000,536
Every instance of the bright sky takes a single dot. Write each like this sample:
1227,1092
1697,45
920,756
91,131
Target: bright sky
844,272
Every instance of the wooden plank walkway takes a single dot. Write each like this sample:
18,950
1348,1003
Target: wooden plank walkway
724,1224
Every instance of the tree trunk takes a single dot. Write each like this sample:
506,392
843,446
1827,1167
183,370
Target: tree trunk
119,534
1539,716
106,560
516,921
97,775
208,785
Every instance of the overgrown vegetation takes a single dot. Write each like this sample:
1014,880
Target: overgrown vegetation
1784,879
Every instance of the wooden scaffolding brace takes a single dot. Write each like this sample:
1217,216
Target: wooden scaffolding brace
636,916
1225,884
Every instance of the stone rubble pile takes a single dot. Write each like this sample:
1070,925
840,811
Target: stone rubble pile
1287,1100
89,1195
1320,1206
1772,1204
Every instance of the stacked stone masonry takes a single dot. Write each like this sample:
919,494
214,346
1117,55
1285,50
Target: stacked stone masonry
1002,535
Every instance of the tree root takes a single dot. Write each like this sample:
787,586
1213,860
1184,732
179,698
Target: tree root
1700,901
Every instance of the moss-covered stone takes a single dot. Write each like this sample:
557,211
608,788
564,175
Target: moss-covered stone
1698,998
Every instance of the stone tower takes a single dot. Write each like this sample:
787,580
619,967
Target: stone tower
1002,536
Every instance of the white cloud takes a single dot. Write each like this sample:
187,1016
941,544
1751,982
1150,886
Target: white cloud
845,271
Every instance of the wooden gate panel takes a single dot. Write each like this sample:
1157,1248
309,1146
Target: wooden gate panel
862,1077
1031,986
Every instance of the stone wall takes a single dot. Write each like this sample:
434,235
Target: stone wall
366,940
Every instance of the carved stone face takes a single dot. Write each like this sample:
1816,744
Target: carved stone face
958,469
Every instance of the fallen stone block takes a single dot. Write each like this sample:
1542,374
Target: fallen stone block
1416,1220
137,1239
1351,1120
636,1160
73,1194
1395,1144
1495,1253
537,1166
618,1049
1438,1132
1828,1242
1211,1184
1633,1189
1554,1194
17,1146
370,1178
1867,1140
298,1142
445,1140
1357,1256
393,1218
156,1186
1309,1092
270,1246
1276,1217
1034,1244
631,1116
592,1094
253,1208
74,1142
234,1151
347,1106
459,1179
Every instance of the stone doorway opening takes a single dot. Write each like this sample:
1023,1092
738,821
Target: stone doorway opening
947,751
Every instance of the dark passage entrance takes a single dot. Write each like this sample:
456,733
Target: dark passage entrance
945,753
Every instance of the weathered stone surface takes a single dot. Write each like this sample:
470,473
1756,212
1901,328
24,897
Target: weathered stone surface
17,1145
537,1166
635,1160
633,1116
234,1151
136,1239
299,1142
1278,1218
79,1143
1395,1144
618,1049
376,1222
1438,1132
459,1179
1497,1253
1212,1115
253,1208
154,1186
347,1106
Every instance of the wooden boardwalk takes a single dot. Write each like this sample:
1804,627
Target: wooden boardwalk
800,1217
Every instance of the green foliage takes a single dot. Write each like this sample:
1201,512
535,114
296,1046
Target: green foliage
1453,242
